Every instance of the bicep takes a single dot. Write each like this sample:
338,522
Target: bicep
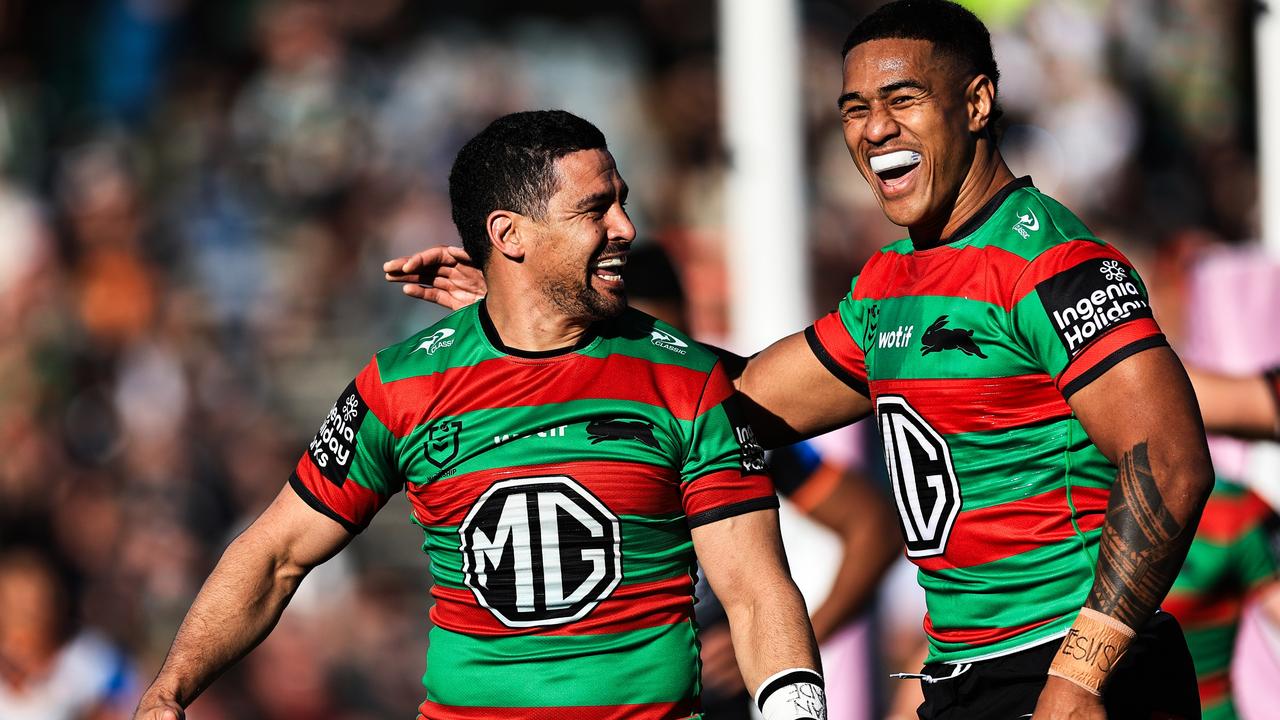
741,554
294,533
792,395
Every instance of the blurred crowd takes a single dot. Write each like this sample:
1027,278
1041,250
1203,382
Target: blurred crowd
195,200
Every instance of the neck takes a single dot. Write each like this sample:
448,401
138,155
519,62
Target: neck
525,320
987,175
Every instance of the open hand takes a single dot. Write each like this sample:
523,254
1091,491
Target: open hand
443,275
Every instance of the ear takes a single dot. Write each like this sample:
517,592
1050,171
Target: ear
980,102
502,227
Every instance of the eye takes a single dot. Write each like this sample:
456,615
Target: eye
852,111
901,100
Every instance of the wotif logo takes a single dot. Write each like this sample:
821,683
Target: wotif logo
899,338
1027,224
438,340
667,341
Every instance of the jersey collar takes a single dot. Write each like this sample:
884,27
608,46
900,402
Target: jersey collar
984,214
491,333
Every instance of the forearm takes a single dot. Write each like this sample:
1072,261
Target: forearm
237,607
771,632
854,586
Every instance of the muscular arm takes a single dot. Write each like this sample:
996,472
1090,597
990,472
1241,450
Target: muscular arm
242,600
790,395
1142,415
743,560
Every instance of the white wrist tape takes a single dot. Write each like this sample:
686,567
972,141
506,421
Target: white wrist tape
793,694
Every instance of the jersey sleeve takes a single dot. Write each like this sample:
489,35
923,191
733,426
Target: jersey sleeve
1079,309
723,473
349,470
836,340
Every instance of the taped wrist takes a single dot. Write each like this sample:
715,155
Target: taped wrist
793,694
1092,647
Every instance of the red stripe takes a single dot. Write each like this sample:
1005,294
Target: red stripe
1195,611
630,607
646,711
625,488
984,274
722,488
1214,688
1063,257
1104,345
974,405
990,534
841,346
979,636
353,501
1225,519
402,405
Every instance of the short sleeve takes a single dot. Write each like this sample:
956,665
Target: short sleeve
723,474
349,471
837,338
1079,309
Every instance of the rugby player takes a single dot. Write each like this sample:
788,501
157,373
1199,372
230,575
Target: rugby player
1045,447
565,456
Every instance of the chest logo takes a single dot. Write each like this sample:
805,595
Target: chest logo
924,481
937,337
1027,224
638,430
442,442
667,341
438,340
540,551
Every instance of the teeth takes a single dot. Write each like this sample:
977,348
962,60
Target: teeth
610,278
612,262
894,160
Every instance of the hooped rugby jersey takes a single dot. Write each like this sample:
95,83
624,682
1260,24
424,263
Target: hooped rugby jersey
969,350
1235,553
556,492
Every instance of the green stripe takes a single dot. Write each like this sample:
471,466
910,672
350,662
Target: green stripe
1211,646
653,548
642,666
372,467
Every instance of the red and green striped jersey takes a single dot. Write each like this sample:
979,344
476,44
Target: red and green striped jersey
1236,552
556,492
969,350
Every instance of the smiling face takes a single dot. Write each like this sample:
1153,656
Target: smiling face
911,121
579,246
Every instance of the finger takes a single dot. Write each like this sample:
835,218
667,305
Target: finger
394,265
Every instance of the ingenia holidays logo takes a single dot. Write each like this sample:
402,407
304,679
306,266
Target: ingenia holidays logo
1087,300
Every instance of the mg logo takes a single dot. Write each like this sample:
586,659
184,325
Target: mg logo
923,478
540,551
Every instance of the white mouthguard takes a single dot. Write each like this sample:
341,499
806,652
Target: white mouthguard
894,160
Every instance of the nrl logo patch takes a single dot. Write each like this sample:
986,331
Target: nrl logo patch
442,442
438,340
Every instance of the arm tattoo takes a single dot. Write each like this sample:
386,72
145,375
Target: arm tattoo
1143,544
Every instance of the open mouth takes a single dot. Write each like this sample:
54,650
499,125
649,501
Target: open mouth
893,168
610,269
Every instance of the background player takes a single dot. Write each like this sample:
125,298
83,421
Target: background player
563,455
1016,276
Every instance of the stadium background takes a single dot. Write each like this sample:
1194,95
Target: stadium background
196,197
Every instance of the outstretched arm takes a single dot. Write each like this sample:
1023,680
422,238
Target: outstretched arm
443,275
1142,415
1242,406
744,563
241,601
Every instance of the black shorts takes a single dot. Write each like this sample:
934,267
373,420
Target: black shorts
1155,679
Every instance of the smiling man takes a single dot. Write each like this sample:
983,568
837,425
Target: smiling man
565,456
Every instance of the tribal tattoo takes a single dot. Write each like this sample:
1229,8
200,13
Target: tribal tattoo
1143,544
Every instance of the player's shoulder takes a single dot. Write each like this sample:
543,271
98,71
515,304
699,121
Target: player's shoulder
452,341
1030,223
640,335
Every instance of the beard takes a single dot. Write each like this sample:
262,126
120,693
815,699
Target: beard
578,300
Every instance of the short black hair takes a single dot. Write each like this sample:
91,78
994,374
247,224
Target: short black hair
953,30
510,165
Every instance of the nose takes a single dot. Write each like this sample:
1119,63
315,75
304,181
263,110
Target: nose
621,228
880,125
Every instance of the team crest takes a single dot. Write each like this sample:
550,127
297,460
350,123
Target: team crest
442,442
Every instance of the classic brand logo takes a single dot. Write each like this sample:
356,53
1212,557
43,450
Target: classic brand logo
540,551
938,337
442,442
1089,299
667,341
1027,223
334,445
438,340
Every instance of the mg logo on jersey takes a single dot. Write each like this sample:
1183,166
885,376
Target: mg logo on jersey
540,551
923,478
